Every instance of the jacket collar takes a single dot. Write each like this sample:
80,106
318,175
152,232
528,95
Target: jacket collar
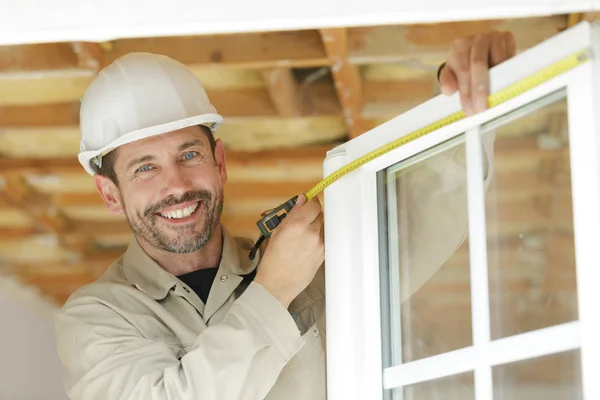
146,275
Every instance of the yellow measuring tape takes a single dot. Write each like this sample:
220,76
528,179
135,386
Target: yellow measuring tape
271,219
493,100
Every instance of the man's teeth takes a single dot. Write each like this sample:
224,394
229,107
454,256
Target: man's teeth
177,214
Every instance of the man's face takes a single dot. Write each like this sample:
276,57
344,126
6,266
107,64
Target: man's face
170,189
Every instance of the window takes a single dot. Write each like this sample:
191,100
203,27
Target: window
464,264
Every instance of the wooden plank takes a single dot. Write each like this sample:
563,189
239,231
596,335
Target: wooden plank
15,218
427,45
283,90
590,16
386,99
215,78
254,134
12,233
239,134
16,193
37,57
388,91
347,79
58,86
89,55
43,115
253,50
30,108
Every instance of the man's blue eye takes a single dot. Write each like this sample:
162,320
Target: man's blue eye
144,168
189,155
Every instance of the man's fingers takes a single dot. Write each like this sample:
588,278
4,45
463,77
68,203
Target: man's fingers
460,65
310,211
448,81
498,50
480,71
511,45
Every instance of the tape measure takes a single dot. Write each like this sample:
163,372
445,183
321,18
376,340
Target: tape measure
272,218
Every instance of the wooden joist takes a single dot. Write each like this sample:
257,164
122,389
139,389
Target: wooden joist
283,90
346,77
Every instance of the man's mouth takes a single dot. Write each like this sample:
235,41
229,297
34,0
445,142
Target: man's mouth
179,212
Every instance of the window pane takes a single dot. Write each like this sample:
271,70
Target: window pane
425,276
531,256
553,377
456,387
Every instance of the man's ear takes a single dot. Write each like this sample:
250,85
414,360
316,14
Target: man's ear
220,159
110,194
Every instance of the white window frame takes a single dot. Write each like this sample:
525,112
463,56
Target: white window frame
354,344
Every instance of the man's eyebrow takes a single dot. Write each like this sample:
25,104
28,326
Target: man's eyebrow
140,160
189,144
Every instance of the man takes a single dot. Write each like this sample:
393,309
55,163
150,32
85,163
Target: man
185,313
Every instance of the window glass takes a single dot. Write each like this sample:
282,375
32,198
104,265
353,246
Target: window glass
553,377
455,387
529,220
425,275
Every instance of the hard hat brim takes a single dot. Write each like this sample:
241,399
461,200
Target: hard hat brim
85,157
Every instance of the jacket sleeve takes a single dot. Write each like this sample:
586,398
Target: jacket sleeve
105,357
432,212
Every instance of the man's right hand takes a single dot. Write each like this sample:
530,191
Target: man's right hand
294,253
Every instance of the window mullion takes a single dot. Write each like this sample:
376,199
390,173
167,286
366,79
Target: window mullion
480,307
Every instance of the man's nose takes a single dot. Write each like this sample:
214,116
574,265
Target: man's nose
176,181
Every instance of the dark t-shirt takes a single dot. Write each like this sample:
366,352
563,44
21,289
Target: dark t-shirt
200,281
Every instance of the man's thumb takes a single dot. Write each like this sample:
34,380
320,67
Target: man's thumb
300,201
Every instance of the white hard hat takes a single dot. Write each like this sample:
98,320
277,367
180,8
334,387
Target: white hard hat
137,96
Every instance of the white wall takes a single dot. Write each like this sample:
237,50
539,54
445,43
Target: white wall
29,366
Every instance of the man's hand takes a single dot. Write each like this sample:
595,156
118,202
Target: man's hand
294,253
468,64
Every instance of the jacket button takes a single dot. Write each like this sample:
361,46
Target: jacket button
224,278
316,332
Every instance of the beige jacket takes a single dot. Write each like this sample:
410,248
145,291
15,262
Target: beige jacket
141,333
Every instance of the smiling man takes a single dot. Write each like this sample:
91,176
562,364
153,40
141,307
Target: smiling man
174,190
184,313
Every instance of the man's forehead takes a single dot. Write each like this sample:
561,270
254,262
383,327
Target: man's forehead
169,139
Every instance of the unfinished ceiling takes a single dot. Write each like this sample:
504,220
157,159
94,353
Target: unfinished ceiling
287,97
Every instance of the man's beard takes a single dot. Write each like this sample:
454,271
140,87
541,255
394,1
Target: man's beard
179,239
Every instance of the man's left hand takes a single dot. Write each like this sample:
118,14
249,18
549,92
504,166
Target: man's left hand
468,64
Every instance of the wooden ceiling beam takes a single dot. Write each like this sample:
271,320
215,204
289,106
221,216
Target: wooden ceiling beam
249,134
89,55
346,77
590,16
283,90
249,50
55,101
425,46
37,57
43,115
